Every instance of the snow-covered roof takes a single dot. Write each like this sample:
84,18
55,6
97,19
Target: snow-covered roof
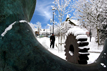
67,16
76,22
44,32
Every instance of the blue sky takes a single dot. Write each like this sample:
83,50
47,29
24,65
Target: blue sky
43,13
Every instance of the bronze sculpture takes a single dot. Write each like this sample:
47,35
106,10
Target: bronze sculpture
19,49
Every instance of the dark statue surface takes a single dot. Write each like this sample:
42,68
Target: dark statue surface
19,49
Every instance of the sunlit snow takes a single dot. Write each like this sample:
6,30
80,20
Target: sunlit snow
94,51
7,29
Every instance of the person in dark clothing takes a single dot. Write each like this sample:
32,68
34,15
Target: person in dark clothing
90,35
52,40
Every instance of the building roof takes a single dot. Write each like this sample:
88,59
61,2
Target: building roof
72,21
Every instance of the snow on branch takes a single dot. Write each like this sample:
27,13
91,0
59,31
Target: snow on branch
63,7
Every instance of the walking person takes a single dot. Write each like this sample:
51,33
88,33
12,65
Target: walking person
90,35
52,40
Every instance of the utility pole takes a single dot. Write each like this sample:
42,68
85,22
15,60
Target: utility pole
53,22
53,18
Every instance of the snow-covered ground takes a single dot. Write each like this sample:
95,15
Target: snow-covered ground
94,48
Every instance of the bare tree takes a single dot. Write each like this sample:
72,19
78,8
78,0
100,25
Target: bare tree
89,13
38,25
63,7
